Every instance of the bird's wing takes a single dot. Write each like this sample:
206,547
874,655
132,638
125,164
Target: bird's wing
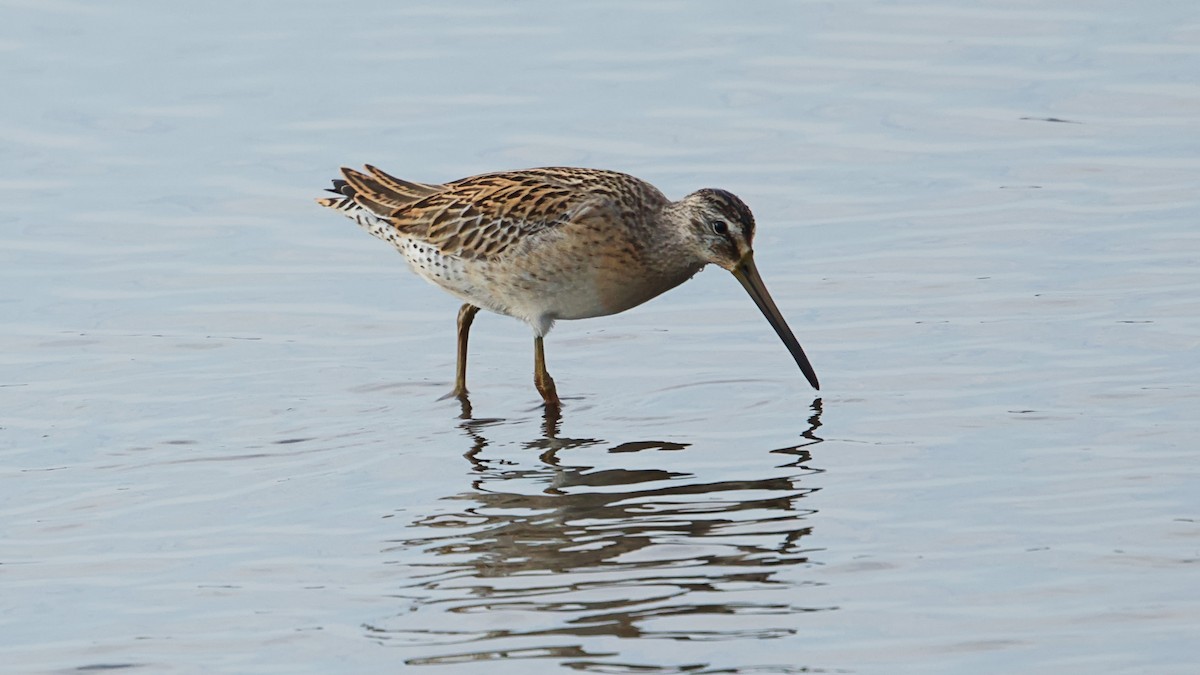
491,215
404,190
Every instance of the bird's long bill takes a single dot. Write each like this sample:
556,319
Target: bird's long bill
747,273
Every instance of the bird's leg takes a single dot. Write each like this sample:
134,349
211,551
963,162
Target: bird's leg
541,378
466,314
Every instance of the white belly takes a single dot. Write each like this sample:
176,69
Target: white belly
538,290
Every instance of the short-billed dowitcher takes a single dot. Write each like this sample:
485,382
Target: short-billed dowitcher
556,243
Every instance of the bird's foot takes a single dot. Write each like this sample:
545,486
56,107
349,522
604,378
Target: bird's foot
459,393
545,387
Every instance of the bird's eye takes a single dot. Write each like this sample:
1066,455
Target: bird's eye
720,227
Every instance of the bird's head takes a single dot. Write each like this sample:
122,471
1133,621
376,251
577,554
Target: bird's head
721,230
721,226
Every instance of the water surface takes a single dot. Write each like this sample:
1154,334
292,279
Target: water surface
222,447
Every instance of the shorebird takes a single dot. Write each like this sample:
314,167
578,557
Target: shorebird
556,243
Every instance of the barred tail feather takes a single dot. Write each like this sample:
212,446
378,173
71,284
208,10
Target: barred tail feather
350,204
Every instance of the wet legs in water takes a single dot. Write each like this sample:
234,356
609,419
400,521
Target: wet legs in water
541,378
466,314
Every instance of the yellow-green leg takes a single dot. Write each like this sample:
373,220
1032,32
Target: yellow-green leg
466,314
541,378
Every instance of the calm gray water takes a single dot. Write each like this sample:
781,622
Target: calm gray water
221,444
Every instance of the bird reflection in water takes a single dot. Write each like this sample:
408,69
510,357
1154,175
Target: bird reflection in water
554,559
